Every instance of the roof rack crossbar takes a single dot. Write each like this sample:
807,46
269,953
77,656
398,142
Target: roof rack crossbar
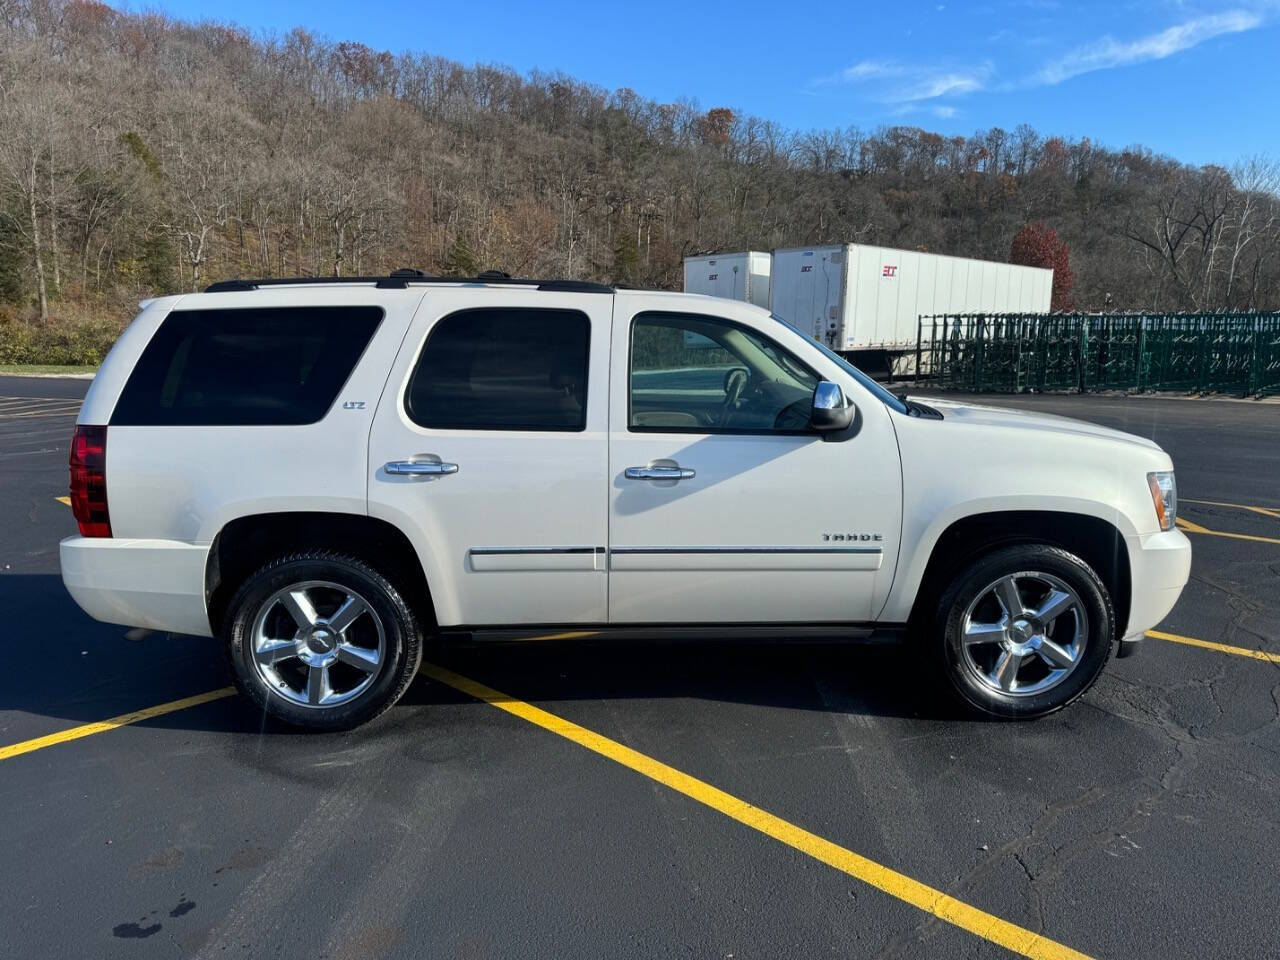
400,279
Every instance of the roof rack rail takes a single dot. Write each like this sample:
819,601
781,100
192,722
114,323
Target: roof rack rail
574,286
401,278
230,286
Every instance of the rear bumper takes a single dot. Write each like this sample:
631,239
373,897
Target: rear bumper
1159,567
157,584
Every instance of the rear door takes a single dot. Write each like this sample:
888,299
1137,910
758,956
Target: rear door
489,450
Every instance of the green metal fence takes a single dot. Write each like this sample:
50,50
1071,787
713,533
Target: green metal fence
1237,353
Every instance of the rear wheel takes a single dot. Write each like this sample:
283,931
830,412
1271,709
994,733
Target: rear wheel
322,641
1025,631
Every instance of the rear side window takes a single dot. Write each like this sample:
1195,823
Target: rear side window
503,369
276,365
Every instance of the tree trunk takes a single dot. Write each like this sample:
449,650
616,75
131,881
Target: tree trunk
35,242
97,269
53,231
339,236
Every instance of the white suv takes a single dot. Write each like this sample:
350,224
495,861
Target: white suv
328,474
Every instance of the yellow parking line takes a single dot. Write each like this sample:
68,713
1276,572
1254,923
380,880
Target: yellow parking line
38,414
14,410
926,898
102,726
1265,511
64,500
1220,647
19,407
568,635
1189,527
9,403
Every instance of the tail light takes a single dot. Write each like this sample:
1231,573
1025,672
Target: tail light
89,481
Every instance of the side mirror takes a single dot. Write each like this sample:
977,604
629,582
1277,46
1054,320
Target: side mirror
830,409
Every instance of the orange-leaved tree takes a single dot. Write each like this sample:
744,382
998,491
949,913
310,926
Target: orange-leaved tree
1037,245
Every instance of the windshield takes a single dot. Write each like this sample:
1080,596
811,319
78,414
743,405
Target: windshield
876,390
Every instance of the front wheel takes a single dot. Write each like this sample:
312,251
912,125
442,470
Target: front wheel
1025,631
322,640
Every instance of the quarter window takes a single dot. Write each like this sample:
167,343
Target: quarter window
503,369
272,365
695,374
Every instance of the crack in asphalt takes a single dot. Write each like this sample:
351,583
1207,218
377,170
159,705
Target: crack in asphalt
1042,863
908,942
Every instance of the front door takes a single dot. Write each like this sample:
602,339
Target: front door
489,449
724,507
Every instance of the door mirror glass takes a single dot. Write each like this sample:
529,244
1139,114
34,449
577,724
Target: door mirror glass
830,409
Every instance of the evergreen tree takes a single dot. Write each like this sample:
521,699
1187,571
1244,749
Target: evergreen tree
460,260
626,258
157,263
15,257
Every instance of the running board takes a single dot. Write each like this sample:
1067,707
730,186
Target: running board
887,633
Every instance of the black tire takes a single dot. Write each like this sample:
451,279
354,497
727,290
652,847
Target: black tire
973,580
400,645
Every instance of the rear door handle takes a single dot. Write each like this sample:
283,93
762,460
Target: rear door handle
659,473
420,467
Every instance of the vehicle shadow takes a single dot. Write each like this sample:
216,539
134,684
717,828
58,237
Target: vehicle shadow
826,676
67,667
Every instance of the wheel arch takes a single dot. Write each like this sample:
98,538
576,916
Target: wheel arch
245,543
1095,540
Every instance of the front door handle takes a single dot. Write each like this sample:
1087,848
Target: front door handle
420,467
659,473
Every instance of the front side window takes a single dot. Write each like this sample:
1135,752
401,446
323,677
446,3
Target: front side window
696,374
503,369
245,367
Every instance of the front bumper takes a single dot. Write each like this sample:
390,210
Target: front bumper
1159,567
157,584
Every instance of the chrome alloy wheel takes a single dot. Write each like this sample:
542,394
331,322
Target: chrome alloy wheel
317,644
1024,634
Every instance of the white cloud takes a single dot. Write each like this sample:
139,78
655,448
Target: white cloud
910,87
896,82
930,86
1109,52
941,110
871,70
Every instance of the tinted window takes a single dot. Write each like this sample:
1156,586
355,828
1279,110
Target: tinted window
503,369
266,366
694,374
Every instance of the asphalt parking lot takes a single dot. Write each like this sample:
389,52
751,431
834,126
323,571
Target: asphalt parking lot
651,801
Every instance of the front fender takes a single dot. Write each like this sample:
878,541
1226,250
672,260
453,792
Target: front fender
918,546
952,470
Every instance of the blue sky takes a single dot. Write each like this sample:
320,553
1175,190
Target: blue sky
1196,80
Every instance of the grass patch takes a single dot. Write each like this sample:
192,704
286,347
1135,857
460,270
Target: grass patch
28,369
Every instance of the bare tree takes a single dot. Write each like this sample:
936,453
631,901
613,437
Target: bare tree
28,112
1255,225
140,152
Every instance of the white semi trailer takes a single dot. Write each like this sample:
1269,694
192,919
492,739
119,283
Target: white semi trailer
866,300
734,276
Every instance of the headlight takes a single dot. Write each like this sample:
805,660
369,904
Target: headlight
1164,495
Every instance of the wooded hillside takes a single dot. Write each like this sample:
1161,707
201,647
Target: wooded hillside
141,154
